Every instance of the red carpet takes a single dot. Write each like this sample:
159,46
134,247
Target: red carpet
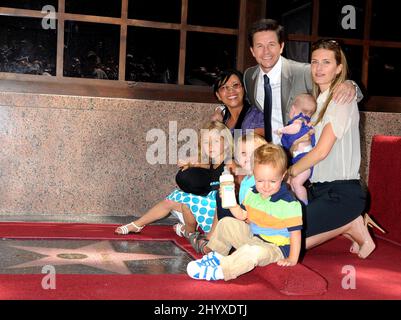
377,277
385,184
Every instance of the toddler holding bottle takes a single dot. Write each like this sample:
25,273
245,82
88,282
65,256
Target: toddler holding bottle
266,228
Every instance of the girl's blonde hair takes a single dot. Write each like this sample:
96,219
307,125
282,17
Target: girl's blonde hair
271,154
340,58
224,133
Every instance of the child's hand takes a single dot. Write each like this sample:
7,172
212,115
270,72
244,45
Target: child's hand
217,116
232,167
183,164
286,262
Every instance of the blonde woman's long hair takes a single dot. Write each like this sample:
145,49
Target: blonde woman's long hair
339,55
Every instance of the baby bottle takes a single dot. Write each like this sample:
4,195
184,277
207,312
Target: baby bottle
227,188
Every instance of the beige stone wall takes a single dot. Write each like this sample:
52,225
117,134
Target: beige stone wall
83,155
376,123
76,155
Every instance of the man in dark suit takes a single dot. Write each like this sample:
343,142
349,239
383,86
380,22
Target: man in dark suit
279,79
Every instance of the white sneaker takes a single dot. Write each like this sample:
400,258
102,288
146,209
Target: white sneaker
211,259
199,271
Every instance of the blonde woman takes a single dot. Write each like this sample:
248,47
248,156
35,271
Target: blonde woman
336,198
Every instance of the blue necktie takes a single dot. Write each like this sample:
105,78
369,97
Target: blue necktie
267,111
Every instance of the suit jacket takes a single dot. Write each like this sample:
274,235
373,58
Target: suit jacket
296,78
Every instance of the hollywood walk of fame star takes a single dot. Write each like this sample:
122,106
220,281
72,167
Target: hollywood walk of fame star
99,255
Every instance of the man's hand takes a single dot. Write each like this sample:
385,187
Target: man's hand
344,93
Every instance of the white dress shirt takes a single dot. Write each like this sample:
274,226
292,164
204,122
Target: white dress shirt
275,83
344,158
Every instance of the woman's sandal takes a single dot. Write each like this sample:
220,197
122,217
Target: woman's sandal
179,229
198,242
124,229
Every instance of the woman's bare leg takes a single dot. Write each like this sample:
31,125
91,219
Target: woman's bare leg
355,246
189,219
157,212
320,238
356,230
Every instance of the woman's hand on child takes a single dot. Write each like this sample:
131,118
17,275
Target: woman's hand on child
286,262
290,175
278,132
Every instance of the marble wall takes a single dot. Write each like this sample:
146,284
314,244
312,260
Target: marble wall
82,155
76,155
375,123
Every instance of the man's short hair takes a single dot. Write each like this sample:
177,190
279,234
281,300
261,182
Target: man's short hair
266,25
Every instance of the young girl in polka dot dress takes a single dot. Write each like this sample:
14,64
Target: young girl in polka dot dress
217,147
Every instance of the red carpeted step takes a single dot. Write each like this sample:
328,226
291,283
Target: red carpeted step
376,277
385,185
293,281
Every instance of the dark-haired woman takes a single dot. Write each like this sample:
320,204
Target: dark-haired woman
236,112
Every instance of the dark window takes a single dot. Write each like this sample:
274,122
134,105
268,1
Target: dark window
385,21
26,47
214,13
162,11
106,8
152,55
297,50
294,15
334,23
207,54
28,4
354,56
384,72
91,50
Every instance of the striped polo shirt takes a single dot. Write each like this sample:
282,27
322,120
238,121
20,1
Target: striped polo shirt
272,219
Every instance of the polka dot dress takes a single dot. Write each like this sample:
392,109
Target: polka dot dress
202,207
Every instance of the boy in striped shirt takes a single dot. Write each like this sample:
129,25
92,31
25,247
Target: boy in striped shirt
266,228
